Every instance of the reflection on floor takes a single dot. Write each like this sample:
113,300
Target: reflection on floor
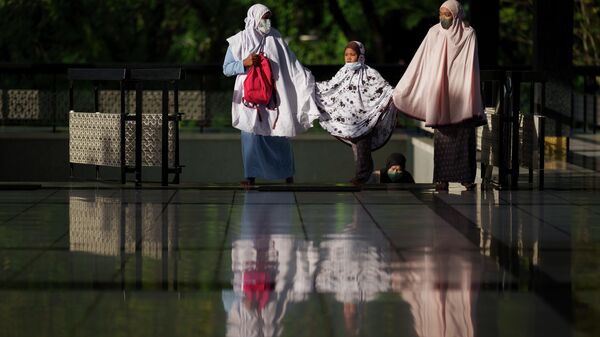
187,262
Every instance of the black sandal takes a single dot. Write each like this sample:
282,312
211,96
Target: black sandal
469,186
247,182
441,186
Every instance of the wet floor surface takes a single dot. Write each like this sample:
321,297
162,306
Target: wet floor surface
112,262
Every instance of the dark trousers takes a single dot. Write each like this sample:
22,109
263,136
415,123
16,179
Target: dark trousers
362,157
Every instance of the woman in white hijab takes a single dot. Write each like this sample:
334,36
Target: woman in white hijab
266,150
355,105
441,87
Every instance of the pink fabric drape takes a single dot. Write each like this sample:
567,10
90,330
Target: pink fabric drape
441,85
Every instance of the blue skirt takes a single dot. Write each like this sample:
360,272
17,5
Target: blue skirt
267,157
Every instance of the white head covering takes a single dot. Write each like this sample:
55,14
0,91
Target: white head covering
361,47
441,84
252,39
294,84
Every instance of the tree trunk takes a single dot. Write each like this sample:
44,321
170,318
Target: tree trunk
375,27
340,19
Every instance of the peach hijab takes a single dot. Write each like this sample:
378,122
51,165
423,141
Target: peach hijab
441,84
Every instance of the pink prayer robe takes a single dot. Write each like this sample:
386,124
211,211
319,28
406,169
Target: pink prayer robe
441,85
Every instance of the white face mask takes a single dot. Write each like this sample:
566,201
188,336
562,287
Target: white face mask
353,65
264,26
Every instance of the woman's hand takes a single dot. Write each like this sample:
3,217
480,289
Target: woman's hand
252,59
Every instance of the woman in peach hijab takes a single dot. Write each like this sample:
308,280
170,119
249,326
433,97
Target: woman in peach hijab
441,87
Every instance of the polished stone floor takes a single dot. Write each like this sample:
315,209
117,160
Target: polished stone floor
192,262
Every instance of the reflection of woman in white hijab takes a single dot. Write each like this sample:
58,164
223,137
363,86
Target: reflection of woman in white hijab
271,269
266,150
441,86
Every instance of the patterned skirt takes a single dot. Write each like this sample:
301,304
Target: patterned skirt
454,158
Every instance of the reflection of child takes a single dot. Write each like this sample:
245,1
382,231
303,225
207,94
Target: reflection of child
395,170
356,103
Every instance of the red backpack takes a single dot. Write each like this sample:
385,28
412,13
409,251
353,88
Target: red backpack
259,88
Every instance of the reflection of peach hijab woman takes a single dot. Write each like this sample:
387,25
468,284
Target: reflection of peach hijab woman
441,87
266,150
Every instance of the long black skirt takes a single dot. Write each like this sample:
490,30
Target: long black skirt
454,154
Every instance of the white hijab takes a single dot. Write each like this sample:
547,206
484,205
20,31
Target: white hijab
441,86
294,84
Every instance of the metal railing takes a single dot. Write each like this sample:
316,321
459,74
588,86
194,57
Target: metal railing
585,100
38,95
92,140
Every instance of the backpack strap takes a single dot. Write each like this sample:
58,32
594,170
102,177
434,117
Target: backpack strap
274,99
276,119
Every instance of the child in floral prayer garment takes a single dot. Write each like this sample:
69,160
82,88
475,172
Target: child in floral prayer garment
355,108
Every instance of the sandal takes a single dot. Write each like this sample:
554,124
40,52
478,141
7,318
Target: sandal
357,182
247,182
469,186
441,186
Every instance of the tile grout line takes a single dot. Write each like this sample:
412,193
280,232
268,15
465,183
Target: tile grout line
165,205
300,216
550,291
519,207
378,226
225,235
28,208
585,206
320,296
35,258
44,250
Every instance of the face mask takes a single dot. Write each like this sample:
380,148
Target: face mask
446,23
353,65
394,175
264,26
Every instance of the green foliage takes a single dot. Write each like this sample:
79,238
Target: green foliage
185,31
516,23
194,31
586,47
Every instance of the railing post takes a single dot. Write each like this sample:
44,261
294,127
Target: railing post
595,103
503,149
206,121
541,149
71,95
165,135
96,100
572,126
515,110
54,102
123,134
138,133
590,88
585,99
176,130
